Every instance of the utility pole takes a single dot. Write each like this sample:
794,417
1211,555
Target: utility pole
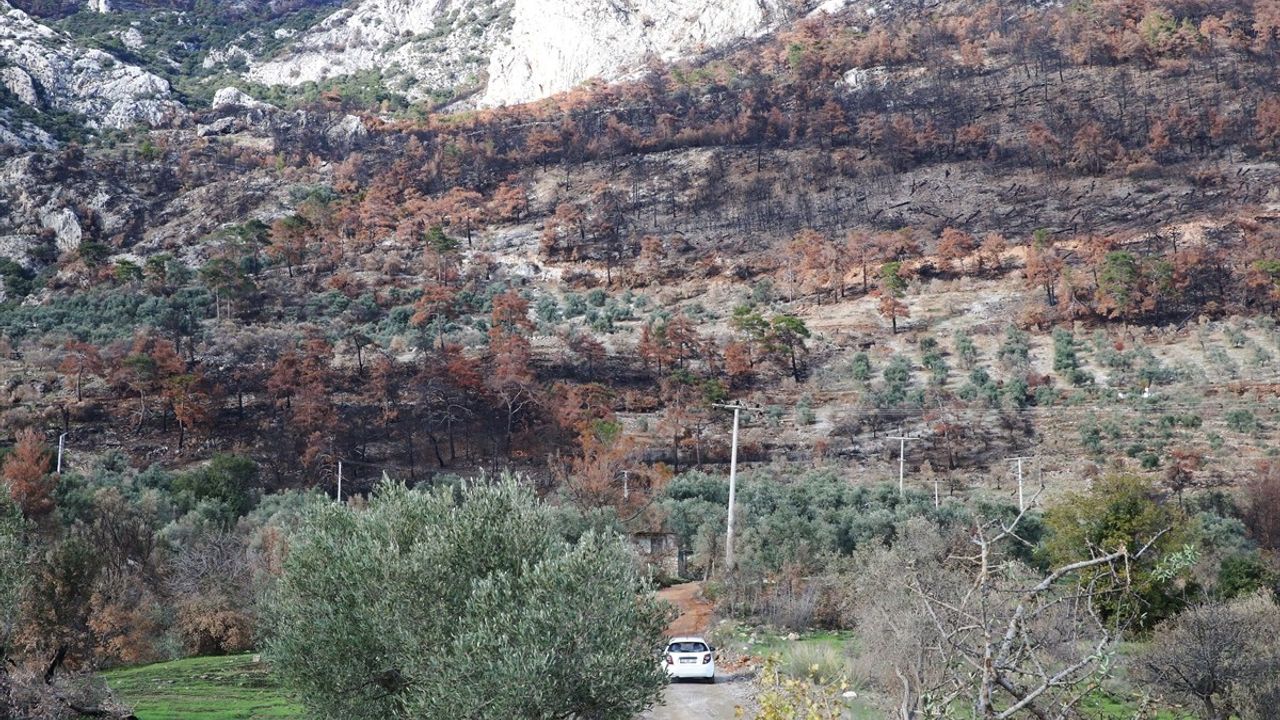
902,439
1021,504
62,443
733,485
339,481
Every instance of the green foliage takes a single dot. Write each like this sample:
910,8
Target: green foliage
547,309
229,482
981,388
93,253
1242,421
103,314
1243,573
461,603
1015,352
860,367
937,367
1121,512
897,382
436,239
805,520
1066,362
18,282
965,349
574,305
804,413
891,277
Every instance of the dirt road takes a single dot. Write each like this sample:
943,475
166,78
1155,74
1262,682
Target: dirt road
695,610
695,701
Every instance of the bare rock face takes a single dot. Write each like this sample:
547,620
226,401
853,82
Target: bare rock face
233,98
512,51
20,84
47,71
66,228
419,46
556,44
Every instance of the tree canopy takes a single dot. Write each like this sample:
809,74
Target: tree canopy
465,603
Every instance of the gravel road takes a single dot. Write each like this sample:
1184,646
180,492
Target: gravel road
695,701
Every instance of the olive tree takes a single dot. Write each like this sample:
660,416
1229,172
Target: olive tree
464,603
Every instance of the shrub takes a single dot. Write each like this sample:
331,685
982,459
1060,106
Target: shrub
1016,350
965,349
461,602
1242,421
804,413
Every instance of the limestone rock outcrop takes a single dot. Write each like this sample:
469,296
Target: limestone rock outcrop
46,70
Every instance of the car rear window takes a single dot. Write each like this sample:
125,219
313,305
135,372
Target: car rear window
687,647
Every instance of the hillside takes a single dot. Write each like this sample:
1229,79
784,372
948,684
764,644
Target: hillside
1009,186
520,256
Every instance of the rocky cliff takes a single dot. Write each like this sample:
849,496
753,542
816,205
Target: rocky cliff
556,44
43,70
511,51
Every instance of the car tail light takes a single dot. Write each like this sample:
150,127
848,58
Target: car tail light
706,658
670,660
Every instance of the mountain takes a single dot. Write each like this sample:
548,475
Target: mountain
510,51
44,71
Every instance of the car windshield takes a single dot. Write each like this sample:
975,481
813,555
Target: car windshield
687,647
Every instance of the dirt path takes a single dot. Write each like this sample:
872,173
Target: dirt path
695,701
695,610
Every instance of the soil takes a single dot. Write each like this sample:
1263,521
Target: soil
695,609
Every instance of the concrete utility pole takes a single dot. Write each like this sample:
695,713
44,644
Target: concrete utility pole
733,485
339,481
1021,504
902,439
62,443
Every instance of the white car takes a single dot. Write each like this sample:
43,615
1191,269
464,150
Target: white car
690,657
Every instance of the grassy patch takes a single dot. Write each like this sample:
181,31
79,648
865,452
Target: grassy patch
205,688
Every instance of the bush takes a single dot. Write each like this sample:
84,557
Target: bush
461,602
229,480
1242,421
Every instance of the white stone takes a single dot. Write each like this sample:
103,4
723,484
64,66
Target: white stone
221,126
347,131
133,39
109,93
65,226
232,97
16,248
556,44
19,83
513,51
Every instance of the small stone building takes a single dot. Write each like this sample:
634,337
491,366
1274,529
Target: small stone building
661,550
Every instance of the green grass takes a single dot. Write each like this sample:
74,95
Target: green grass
204,688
